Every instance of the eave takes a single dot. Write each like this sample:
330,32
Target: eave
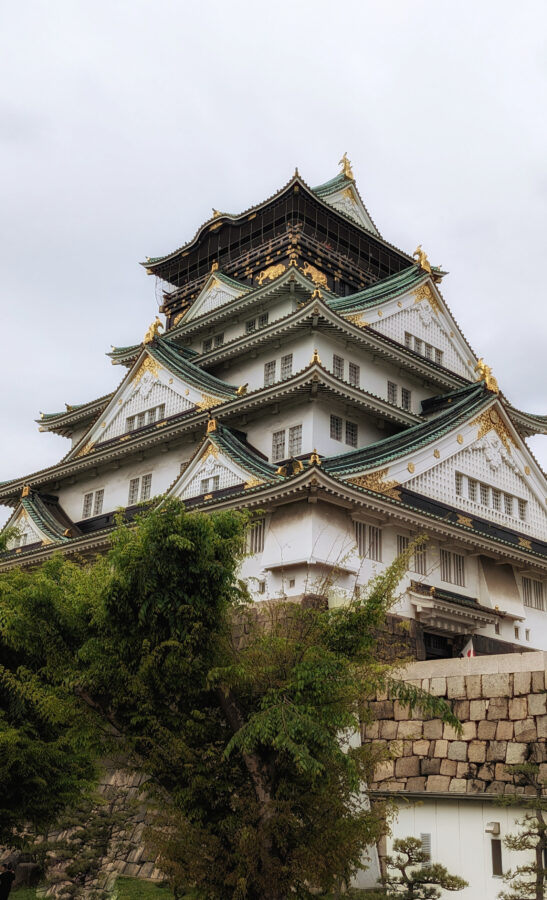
64,423
527,423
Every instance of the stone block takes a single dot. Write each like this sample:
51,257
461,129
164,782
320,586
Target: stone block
432,766
370,732
458,785
384,769
415,784
473,686
440,749
438,783
477,710
409,729
486,773
541,723
486,731
475,786
450,733
476,752
537,704
395,749
498,685
496,751
469,731
461,709
382,709
538,682
516,753
521,683
426,685
447,767
388,729
495,787
433,730
455,687
525,729
462,770
501,773
518,708
457,750
420,748
438,687
407,748
401,712
504,730
497,708
407,766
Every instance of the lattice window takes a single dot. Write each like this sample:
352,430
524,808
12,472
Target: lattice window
337,366
369,541
351,434
408,340
438,356
255,538
295,440
139,489
428,351
146,417
452,568
418,345
207,345
402,544
508,504
218,340
354,375
420,560
208,485
472,489
286,366
278,445
93,504
522,509
426,847
392,392
263,320
167,402
250,326
336,425
496,499
532,593
485,494
406,398
459,484
269,373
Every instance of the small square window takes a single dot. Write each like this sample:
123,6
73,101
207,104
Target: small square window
351,434
338,366
336,424
354,375
292,582
517,633
286,366
207,344
392,392
269,373
278,445
527,633
250,326
406,398
263,320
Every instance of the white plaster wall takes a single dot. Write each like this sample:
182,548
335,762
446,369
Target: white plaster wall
261,429
459,840
234,327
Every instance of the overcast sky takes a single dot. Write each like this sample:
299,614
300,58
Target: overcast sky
122,122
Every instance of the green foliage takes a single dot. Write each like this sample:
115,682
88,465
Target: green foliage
411,875
241,716
527,881
133,889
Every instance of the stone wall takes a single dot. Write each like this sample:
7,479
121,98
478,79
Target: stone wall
501,702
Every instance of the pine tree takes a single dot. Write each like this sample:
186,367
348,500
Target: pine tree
412,876
527,881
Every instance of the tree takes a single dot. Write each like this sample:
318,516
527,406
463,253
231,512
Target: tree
527,881
240,716
413,876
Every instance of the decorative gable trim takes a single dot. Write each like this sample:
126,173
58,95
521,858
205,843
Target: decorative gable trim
217,292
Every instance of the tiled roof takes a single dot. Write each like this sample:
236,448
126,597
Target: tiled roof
234,445
382,290
46,515
173,357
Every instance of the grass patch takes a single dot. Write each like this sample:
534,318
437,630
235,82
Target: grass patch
134,889
24,893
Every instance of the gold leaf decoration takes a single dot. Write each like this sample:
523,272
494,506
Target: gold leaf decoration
314,275
211,451
424,292
465,520
271,273
253,482
208,402
87,449
376,481
491,420
357,319
524,543
149,365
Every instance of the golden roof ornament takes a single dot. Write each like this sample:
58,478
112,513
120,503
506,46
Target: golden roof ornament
421,257
153,331
242,389
346,167
315,459
214,267
485,374
211,425
315,358
216,213
26,490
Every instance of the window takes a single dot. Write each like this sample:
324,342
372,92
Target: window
286,366
402,544
527,633
261,587
255,541
295,440
208,485
405,398
139,489
148,417
263,320
496,499
426,847
420,560
532,593
354,375
218,340
337,366
250,326
508,504
336,428
207,344
418,345
517,633
472,489
522,509
438,357
497,865
452,568
408,340
351,434
369,541
278,445
292,582
93,504
485,494
459,484
392,392
269,373
428,351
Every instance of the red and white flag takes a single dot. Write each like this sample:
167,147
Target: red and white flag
468,650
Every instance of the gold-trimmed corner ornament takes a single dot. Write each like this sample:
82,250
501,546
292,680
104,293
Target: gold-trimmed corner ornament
149,365
347,171
253,482
208,402
357,319
411,468
87,449
376,481
214,266
485,374
421,258
424,292
523,542
490,420
211,426
26,490
271,273
315,459
314,274
153,331
211,451
242,389
465,520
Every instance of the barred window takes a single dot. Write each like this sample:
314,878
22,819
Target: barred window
406,398
392,392
418,345
452,568
354,375
337,366
408,340
148,417
88,506
459,484
218,340
428,351
93,504
133,497
351,434
255,539
472,489
207,344
278,445
485,495
496,499
532,593
263,320
508,504
438,357
286,366
336,428
250,326
402,544
420,560
269,373
208,485
146,486
369,541
139,489
295,440
522,509
98,503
